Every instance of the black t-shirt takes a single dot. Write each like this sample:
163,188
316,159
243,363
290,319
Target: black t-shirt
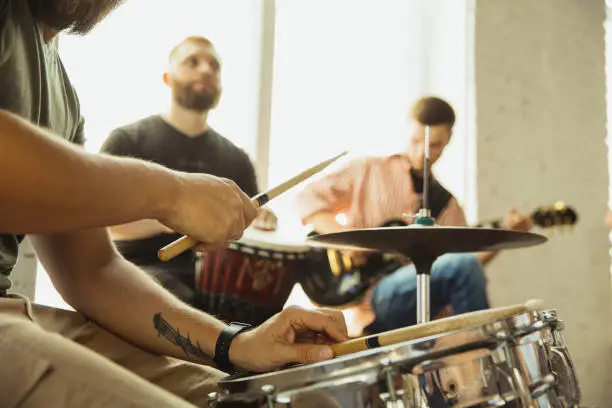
35,86
155,140
439,197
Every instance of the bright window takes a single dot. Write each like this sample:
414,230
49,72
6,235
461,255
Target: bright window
346,73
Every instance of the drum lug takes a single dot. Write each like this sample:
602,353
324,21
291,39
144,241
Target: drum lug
389,373
268,392
522,390
516,386
542,386
213,399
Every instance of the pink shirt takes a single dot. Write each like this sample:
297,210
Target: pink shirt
371,191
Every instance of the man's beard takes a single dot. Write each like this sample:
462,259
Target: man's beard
75,16
192,100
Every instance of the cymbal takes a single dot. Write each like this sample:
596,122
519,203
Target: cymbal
413,240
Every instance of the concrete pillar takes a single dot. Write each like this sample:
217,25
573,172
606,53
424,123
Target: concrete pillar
541,123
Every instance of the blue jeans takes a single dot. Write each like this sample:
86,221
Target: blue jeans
456,279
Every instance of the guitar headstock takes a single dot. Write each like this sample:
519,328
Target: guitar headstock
555,215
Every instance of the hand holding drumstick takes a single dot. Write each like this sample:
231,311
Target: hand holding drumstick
212,209
181,245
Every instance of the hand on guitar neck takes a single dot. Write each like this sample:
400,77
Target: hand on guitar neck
513,221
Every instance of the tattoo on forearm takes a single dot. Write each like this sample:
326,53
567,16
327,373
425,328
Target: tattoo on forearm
174,335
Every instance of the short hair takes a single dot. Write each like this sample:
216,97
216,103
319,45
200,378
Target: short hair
194,39
432,111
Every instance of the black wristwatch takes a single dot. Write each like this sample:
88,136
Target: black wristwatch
223,345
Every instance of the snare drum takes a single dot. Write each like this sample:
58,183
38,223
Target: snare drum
251,280
502,361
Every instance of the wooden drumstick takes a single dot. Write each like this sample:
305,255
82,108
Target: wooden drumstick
433,328
184,243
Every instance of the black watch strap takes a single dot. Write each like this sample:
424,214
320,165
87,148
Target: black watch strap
223,345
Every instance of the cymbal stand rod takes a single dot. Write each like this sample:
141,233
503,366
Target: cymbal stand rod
424,215
426,174
423,263
423,312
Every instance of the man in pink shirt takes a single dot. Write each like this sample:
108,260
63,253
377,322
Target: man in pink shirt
371,191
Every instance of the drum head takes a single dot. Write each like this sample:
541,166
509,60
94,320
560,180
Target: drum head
273,241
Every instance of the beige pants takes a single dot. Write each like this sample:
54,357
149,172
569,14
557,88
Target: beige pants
57,358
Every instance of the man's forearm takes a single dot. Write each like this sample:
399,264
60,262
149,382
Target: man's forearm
51,186
138,230
157,321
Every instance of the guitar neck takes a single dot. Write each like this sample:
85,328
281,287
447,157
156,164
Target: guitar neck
494,224
498,223
542,217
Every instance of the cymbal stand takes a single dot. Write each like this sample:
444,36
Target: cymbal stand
423,262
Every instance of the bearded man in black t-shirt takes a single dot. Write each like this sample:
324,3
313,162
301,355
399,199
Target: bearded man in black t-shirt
181,139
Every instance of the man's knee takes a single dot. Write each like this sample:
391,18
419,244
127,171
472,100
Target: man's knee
401,280
465,267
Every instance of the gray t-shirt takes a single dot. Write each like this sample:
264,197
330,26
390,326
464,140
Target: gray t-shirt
35,86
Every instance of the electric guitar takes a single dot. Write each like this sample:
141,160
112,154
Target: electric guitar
333,278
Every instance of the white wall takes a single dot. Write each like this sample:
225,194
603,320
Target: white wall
541,120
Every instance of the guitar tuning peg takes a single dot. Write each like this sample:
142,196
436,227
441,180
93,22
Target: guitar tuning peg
559,206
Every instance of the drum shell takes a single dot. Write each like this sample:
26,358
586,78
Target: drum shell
244,283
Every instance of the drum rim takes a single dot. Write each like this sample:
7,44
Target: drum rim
256,242
408,353
258,249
